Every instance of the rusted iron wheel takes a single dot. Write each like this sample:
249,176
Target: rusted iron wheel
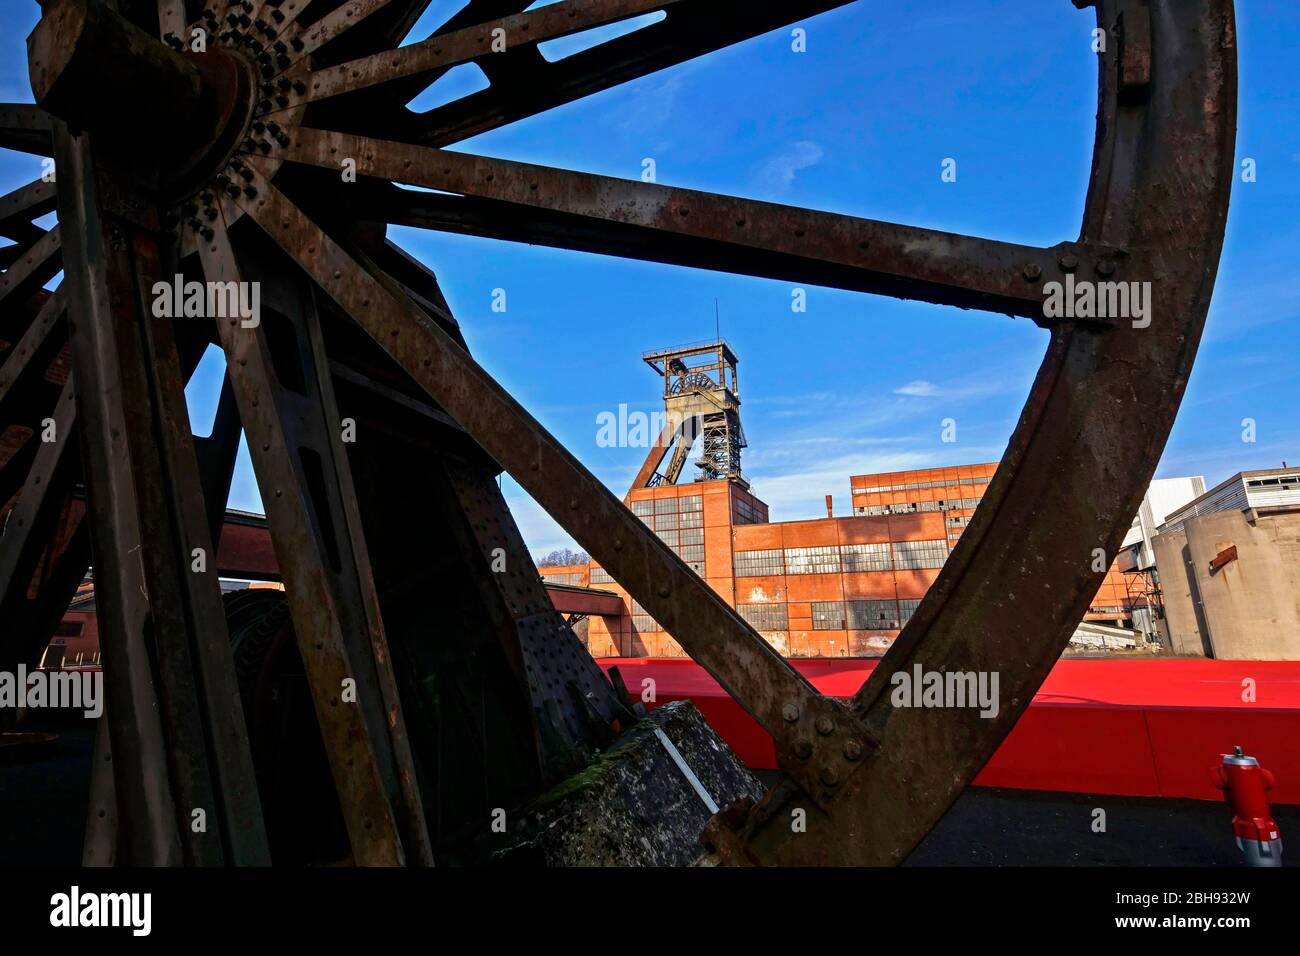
246,185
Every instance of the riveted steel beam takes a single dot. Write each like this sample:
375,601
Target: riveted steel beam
20,207
524,83
286,404
449,49
600,213
177,740
25,128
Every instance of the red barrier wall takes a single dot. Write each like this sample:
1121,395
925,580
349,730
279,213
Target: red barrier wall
1148,728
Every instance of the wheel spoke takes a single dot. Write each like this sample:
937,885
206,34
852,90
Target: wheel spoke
642,220
168,665
20,207
336,617
524,83
25,128
710,630
37,266
333,25
30,344
449,49
28,528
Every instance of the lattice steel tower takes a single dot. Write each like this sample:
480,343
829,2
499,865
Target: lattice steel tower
701,399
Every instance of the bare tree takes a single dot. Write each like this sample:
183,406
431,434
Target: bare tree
563,556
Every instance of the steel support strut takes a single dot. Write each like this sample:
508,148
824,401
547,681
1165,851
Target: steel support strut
293,428
174,733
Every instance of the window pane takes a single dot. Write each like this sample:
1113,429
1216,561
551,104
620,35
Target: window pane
825,560
828,615
764,617
757,563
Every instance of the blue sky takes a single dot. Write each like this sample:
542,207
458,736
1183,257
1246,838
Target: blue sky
859,123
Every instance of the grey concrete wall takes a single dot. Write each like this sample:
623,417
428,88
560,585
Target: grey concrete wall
1177,587
1251,606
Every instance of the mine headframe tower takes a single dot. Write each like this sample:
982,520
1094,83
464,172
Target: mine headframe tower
701,399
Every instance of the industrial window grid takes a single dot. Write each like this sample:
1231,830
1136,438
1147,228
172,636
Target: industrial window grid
902,555
664,522
912,507
873,615
665,513
823,560
856,615
905,609
912,555
679,524
764,617
574,577
745,513
867,557
600,576
759,563
641,620
1285,481
913,486
828,615
957,521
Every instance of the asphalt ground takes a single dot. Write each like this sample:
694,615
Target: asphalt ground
43,796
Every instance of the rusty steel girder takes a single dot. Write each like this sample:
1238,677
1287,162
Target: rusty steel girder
237,191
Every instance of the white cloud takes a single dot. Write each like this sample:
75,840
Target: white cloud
799,495
778,172
918,389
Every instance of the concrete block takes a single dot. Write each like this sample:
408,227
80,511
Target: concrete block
633,805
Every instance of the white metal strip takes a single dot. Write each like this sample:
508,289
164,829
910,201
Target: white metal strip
687,772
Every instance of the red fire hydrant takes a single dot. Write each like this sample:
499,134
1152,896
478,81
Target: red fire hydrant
1245,784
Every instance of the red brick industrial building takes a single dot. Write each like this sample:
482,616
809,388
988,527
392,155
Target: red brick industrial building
828,587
